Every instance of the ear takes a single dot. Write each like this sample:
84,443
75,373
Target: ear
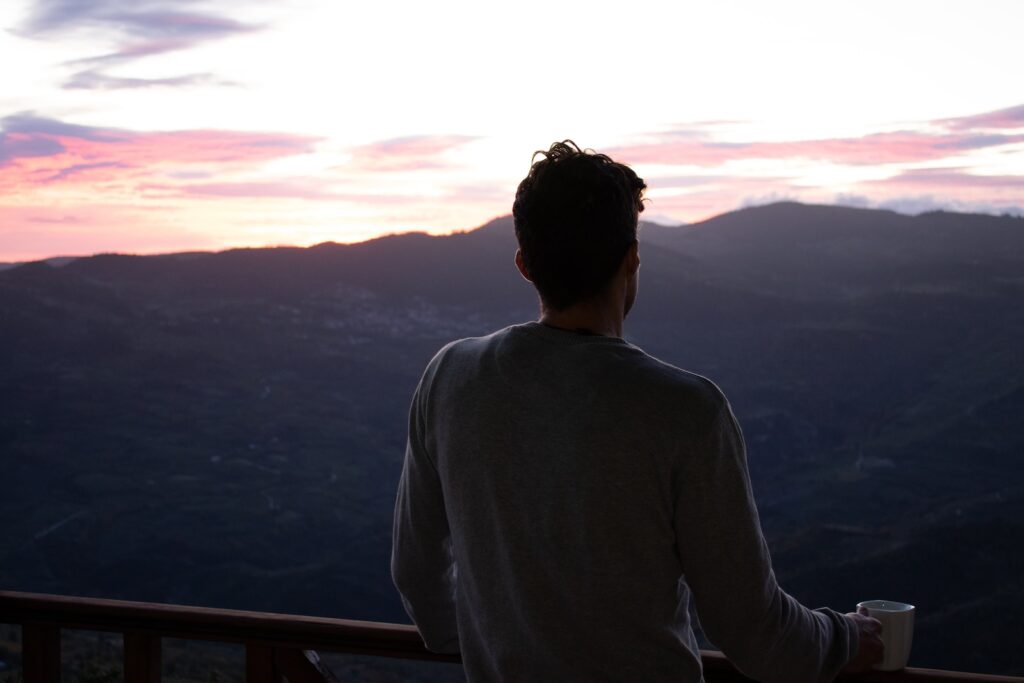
632,259
522,266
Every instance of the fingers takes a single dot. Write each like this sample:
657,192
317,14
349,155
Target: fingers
865,621
871,648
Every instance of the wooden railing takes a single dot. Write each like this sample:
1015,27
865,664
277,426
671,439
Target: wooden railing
277,645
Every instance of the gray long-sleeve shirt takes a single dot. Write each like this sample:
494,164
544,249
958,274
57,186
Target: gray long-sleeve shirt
564,495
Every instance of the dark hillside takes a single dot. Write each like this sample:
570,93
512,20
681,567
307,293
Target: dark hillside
848,252
227,428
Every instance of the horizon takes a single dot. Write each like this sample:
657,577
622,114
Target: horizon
326,123
462,231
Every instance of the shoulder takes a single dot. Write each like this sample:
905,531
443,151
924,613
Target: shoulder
683,407
460,352
682,387
467,347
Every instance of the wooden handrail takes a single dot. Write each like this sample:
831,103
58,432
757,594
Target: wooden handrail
225,625
277,643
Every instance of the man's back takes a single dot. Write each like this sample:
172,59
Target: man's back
571,480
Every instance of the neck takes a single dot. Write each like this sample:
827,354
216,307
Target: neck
603,313
597,317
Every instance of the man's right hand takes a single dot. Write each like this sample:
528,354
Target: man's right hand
871,648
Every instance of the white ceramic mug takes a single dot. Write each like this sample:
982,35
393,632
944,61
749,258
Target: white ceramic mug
897,630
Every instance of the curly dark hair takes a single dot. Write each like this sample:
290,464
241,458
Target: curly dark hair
575,216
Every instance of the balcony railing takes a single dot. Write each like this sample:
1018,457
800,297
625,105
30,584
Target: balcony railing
277,646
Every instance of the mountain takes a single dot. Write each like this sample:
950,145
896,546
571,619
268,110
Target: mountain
847,251
53,261
227,428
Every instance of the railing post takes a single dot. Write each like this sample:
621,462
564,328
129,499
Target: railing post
143,658
301,666
40,653
260,664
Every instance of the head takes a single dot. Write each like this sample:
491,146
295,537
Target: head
576,216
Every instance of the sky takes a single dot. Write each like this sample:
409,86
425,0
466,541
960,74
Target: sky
155,126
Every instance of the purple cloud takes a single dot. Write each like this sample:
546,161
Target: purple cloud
151,27
979,141
14,147
78,168
134,51
96,80
952,177
25,135
914,205
1012,117
28,124
149,19
165,22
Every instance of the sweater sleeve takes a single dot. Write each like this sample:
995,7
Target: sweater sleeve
422,566
764,631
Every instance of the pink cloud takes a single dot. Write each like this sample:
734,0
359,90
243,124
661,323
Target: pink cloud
313,189
718,195
877,148
67,188
275,189
196,147
957,189
693,144
413,153
36,151
118,189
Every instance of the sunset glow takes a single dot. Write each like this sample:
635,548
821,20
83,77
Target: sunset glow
169,125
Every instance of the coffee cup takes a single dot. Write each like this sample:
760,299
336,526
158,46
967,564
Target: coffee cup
897,630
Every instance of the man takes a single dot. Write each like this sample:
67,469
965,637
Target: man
565,494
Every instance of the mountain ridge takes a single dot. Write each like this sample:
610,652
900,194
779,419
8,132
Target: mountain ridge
769,213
